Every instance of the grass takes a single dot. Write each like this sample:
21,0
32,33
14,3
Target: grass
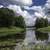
45,29
42,47
10,31
4,31
36,47
7,43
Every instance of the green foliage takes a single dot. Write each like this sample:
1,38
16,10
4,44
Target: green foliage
46,22
19,22
40,23
45,29
6,17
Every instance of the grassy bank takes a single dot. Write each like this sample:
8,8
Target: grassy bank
45,29
8,36
10,31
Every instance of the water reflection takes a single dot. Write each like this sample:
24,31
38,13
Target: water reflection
30,36
41,36
34,37
49,37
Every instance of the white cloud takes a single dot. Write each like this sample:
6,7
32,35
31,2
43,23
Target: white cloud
28,18
1,6
18,9
47,8
38,11
38,15
15,8
47,5
33,7
22,2
48,0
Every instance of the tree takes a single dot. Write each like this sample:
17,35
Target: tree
19,22
46,22
40,23
6,17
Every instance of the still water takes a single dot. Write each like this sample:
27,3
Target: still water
32,38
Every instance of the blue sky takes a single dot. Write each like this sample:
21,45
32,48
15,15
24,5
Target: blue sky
26,8
39,2
35,2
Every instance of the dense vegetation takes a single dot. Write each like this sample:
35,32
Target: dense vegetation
8,18
11,27
40,23
45,29
43,25
19,22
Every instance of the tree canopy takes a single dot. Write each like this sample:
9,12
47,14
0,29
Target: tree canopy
8,18
40,23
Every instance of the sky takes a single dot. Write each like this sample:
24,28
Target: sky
27,8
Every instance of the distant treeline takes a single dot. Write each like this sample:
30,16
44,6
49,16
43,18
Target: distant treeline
8,18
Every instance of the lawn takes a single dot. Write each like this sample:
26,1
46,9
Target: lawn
45,29
8,33
12,30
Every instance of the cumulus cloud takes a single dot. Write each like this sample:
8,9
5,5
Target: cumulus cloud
22,2
33,7
16,9
38,11
47,8
47,5
38,15
27,17
1,6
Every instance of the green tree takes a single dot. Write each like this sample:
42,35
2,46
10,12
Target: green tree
46,22
19,21
40,23
6,17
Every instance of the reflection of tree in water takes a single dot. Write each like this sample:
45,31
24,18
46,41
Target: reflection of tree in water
41,36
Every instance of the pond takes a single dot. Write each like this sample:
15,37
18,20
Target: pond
28,39
34,37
